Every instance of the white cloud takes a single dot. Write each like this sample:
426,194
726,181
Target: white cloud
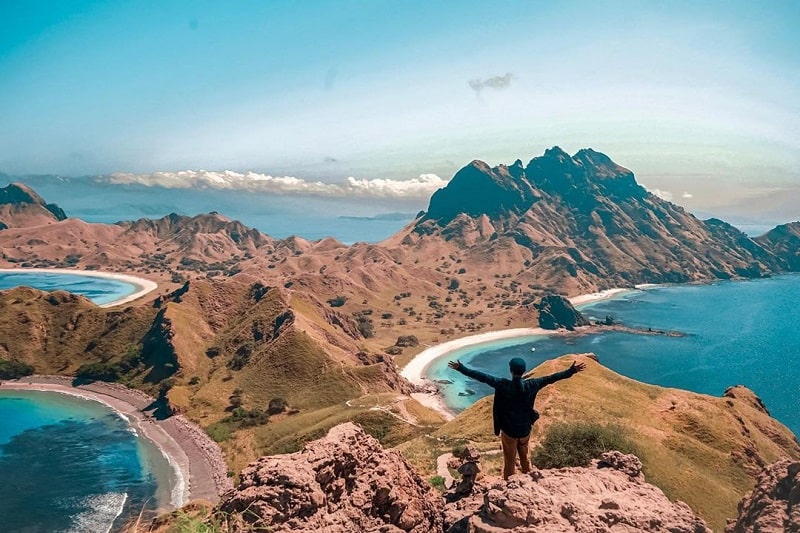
421,187
687,195
664,195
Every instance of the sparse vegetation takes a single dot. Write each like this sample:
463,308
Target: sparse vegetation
576,444
14,369
338,301
437,482
110,370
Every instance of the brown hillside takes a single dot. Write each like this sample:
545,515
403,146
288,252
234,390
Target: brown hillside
700,449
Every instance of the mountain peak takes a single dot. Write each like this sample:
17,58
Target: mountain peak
21,206
556,152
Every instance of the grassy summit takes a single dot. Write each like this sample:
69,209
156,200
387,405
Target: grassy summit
700,449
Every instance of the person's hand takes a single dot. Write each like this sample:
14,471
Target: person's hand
577,367
455,365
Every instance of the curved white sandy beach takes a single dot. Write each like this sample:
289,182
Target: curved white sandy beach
414,371
198,464
143,286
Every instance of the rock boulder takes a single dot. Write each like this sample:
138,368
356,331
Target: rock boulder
557,312
341,483
609,496
773,506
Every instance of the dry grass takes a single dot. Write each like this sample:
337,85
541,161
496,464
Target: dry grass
692,446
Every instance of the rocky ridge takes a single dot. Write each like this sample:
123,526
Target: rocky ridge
341,483
347,482
583,220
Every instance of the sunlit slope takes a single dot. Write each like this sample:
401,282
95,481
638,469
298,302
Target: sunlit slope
700,449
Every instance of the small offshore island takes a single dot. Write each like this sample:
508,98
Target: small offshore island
273,346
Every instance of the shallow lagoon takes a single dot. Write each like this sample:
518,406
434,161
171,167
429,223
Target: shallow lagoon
100,290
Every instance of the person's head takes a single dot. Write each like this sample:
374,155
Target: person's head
516,366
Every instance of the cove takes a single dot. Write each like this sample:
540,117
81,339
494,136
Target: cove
737,333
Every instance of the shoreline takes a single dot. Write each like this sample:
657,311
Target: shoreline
143,286
197,461
414,371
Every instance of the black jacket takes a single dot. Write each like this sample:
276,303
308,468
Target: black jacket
513,411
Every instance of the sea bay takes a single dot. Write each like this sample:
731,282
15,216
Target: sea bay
100,290
70,464
736,333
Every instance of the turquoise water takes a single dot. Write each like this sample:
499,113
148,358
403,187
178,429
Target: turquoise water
739,332
99,290
68,464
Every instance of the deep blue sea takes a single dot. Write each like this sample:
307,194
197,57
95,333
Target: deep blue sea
69,464
99,290
737,333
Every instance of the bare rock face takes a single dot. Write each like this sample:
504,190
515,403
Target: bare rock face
557,312
774,504
341,483
609,496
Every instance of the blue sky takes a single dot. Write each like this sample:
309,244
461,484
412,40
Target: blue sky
701,100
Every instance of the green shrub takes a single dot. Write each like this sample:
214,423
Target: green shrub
437,482
277,406
338,301
577,444
219,431
110,370
365,327
14,369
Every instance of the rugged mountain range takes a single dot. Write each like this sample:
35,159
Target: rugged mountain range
582,220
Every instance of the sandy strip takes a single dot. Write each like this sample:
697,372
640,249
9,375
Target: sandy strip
414,371
200,468
143,286
584,299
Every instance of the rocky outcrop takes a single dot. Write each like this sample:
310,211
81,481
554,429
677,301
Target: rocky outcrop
341,483
774,504
557,312
347,482
158,350
611,495
740,392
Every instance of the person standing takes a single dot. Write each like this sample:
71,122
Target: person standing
513,411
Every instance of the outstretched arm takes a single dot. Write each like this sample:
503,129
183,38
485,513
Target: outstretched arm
564,374
474,374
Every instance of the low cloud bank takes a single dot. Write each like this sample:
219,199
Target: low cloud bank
415,188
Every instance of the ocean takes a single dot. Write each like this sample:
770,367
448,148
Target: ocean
99,290
736,333
279,216
72,465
